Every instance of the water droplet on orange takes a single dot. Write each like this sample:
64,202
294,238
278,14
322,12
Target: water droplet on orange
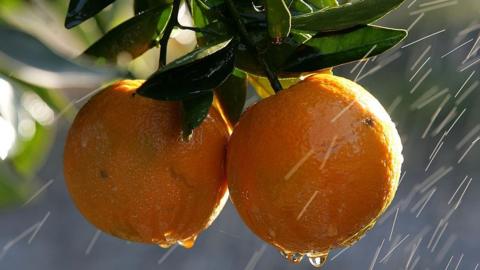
317,259
188,243
164,245
292,256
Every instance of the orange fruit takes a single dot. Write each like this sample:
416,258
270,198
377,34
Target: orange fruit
312,167
131,173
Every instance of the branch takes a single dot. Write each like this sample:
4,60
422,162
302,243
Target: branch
172,22
272,77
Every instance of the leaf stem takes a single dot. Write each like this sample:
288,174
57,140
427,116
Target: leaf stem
172,22
272,77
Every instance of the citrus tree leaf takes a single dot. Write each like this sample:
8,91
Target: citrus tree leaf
197,72
81,10
274,54
344,16
205,14
139,6
232,95
304,52
319,4
302,6
214,33
208,4
331,49
309,6
135,36
246,60
198,11
195,109
278,19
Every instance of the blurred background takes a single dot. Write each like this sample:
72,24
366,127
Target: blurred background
429,83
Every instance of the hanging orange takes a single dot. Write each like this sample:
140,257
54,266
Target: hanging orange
131,173
314,166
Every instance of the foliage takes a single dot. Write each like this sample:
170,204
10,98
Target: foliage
272,39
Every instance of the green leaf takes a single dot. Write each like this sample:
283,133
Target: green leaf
302,6
278,19
214,33
205,16
198,13
275,55
81,10
135,36
140,6
232,95
195,109
304,53
302,36
197,72
246,61
323,3
209,4
308,6
345,16
331,49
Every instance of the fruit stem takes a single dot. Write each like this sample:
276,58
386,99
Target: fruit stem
272,77
172,22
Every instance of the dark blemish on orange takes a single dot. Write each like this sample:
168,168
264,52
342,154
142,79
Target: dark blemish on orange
369,122
103,174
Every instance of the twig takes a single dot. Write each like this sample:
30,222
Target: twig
272,77
172,22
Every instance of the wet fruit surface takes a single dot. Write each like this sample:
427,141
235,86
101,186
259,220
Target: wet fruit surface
313,167
133,175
